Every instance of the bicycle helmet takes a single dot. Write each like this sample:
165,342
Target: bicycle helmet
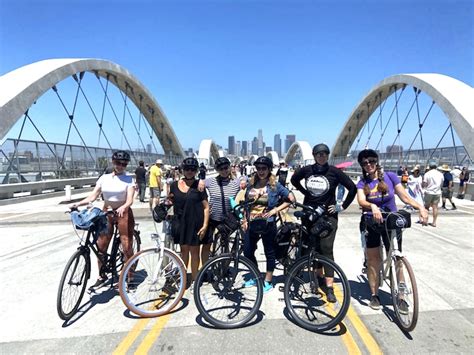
121,155
221,161
318,148
263,160
366,153
190,163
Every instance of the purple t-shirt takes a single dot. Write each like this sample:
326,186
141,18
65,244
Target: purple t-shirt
375,197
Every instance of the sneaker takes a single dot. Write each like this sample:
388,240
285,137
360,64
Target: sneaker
191,289
331,297
402,307
100,282
267,286
454,207
250,283
375,302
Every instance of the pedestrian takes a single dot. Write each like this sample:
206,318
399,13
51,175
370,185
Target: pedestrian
155,175
463,180
321,181
282,173
191,215
432,182
140,180
448,185
414,186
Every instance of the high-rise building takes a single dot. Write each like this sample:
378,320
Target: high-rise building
231,145
268,149
290,139
255,146
277,144
244,151
260,142
237,148
148,148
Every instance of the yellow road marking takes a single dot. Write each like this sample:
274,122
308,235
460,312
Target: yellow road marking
150,338
360,327
131,337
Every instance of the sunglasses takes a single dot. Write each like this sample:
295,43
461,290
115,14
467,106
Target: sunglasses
262,168
225,167
119,163
369,161
189,169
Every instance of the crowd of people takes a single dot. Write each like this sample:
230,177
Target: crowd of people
201,203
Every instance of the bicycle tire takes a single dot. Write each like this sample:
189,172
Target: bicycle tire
152,292
73,285
408,293
324,315
219,277
120,256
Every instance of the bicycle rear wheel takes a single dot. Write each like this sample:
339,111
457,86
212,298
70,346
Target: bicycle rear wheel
220,295
151,289
120,256
306,300
404,293
73,284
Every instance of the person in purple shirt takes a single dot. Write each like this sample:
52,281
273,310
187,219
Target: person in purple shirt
375,193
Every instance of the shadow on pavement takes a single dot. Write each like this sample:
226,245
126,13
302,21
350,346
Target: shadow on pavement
100,298
257,319
182,305
338,330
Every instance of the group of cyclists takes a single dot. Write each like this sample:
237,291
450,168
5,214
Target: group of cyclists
201,204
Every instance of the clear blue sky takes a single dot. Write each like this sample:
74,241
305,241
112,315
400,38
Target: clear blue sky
220,68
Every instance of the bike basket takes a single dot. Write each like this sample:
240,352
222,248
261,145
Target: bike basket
90,218
399,220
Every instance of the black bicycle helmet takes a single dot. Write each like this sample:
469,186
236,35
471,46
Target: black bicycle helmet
367,153
263,160
221,161
121,155
321,148
190,163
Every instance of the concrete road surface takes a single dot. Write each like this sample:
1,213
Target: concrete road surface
37,239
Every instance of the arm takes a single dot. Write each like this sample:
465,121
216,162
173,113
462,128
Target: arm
351,190
202,231
402,194
91,198
296,181
362,200
130,194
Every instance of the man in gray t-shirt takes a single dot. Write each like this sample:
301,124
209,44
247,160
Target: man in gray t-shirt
432,182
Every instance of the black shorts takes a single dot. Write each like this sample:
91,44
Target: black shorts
373,234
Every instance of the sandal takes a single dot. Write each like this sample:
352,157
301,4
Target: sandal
432,224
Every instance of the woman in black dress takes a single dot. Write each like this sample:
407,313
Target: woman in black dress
191,211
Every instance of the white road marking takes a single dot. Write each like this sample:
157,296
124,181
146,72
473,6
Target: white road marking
20,215
424,230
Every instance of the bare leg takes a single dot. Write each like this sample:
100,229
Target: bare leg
205,251
195,261
373,269
435,213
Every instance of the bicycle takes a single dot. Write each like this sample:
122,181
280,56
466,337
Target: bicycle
219,292
153,281
305,292
73,283
397,272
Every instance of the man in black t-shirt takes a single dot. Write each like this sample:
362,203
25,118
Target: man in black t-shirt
321,181
448,186
140,179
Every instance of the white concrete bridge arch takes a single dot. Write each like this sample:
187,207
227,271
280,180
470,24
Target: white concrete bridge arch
305,150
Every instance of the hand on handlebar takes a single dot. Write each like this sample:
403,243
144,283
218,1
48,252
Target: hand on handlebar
335,208
377,215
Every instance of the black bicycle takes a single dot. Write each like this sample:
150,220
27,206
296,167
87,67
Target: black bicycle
305,292
219,292
77,271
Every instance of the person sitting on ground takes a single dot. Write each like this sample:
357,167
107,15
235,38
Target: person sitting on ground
448,186
376,193
118,191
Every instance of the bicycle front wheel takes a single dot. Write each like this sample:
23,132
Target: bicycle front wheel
220,293
404,293
151,287
306,299
73,284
